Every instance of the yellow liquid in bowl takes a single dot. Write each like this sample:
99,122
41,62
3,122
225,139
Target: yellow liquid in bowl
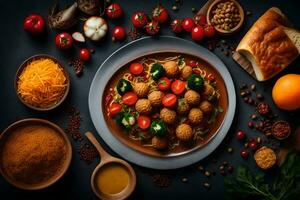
112,179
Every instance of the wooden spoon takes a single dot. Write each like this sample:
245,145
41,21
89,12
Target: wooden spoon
107,159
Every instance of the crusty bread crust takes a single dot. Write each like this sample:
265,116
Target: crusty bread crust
267,46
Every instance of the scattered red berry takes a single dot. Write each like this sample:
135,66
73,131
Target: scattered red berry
152,28
197,33
34,24
114,11
251,125
176,26
200,19
119,33
252,145
160,14
84,54
188,24
139,19
244,154
240,135
209,31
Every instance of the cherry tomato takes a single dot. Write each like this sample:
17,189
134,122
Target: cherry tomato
139,19
244,154
240,135
252,145
114,11
209,31
197,33
188,24
115,108
34,24
152,28
164,84
200,19
119,33
136,68
160,14
84,54
178,87
176,26
129,98
169,100
144,122
63,41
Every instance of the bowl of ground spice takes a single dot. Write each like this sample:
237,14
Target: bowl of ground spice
281,130
34,154
42,83
227,16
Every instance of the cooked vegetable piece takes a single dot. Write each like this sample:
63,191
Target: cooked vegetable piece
195,82
157,71
123,86
125,119
158,128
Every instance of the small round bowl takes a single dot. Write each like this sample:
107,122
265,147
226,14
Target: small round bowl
209,15
30,121
288,129
24,65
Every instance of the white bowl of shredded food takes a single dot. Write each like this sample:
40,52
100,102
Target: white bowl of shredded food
42,83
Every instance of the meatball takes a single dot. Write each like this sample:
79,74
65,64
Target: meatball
208,89
141,89
171,69
182,107
184,132
192,98
159,143
186,72
206,107
155,98
143,106
195,116
168,116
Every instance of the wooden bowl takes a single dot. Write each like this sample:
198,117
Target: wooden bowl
37,186
22,67
209,15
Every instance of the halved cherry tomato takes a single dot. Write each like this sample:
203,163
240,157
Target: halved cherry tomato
164,84
129,98
115,108
211,77
136,68
143,122
169,100
178,87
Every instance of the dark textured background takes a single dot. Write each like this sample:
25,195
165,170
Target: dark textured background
16,46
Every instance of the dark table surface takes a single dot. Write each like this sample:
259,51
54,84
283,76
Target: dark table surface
16,46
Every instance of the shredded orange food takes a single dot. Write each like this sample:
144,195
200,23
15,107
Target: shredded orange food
42,83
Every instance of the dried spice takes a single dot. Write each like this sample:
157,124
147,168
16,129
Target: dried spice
77,65
161,180
263,108
73,124
88,153
281,129
134,34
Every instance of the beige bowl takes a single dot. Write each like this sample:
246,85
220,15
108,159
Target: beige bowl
30,121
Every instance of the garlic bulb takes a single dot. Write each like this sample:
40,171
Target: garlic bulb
95,28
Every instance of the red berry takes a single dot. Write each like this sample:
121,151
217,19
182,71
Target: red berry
251,125
240,135
84,54
200,19
244,154
188,24
119,33
176,25
197,33
209,31
252,145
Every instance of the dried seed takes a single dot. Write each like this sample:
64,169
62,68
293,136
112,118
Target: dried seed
223,173
206,185
230,168
174,7
259,96
248,13
201,168
253,87
230,150
194,9
184,180
225,163
258,139
221,167
207,173
253,116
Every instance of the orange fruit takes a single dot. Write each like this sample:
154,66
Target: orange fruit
286,92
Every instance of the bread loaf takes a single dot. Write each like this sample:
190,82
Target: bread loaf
270,45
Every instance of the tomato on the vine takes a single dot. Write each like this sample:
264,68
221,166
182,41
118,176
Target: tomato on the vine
152,28
136,68
130,98
197,33
115,108
143,122
139,19
160,14
176,26
84,54
164,84
114,11
188,24
119,33
178,87
209,31
63,41
169,100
